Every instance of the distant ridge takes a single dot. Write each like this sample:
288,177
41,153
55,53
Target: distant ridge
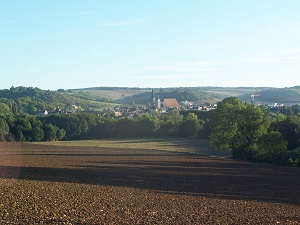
29,100
277,95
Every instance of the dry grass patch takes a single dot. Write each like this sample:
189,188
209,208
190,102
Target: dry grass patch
184,145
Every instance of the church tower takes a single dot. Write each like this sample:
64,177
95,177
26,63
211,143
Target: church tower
153,107
158,104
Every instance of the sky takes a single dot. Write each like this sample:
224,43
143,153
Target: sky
53,44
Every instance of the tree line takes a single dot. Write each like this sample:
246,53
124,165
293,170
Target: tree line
85,125
249,132
252,133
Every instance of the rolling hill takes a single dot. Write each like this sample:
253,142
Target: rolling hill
181,94
276,95
196,94
30,100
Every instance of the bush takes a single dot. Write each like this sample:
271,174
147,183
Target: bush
9,138
292,158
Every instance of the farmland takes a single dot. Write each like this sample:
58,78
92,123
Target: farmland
171,181
114,94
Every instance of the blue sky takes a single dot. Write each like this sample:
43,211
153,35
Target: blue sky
54,44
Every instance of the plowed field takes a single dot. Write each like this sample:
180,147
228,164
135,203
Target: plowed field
41,184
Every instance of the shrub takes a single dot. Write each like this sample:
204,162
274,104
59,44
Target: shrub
292,158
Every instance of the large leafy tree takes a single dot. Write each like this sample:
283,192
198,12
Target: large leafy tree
236,126
50,132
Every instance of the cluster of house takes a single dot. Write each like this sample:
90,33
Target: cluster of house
165,106
157,105
161,106
171,103
58,110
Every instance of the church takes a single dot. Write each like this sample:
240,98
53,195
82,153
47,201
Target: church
167,103
156,105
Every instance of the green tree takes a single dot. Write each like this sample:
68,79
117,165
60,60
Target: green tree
60,134
170,123
270,147
71,123
105,128
235,126
290,128
37,134
4,109
31,109
4,129
190,125
22,128
125,127
147,125
50,132
292,157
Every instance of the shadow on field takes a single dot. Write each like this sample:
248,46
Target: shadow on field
214,178
191,144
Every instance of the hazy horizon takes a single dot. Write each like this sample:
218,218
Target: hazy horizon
132,87
149,44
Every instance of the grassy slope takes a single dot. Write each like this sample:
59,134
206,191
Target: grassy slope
113,93
279,95
226,92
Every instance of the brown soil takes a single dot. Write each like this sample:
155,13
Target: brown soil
42,184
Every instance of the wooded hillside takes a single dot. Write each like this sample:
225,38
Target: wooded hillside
29,100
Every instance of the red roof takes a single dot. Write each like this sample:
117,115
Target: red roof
170,102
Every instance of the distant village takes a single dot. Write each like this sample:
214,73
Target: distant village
58,110
157,106
168,104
